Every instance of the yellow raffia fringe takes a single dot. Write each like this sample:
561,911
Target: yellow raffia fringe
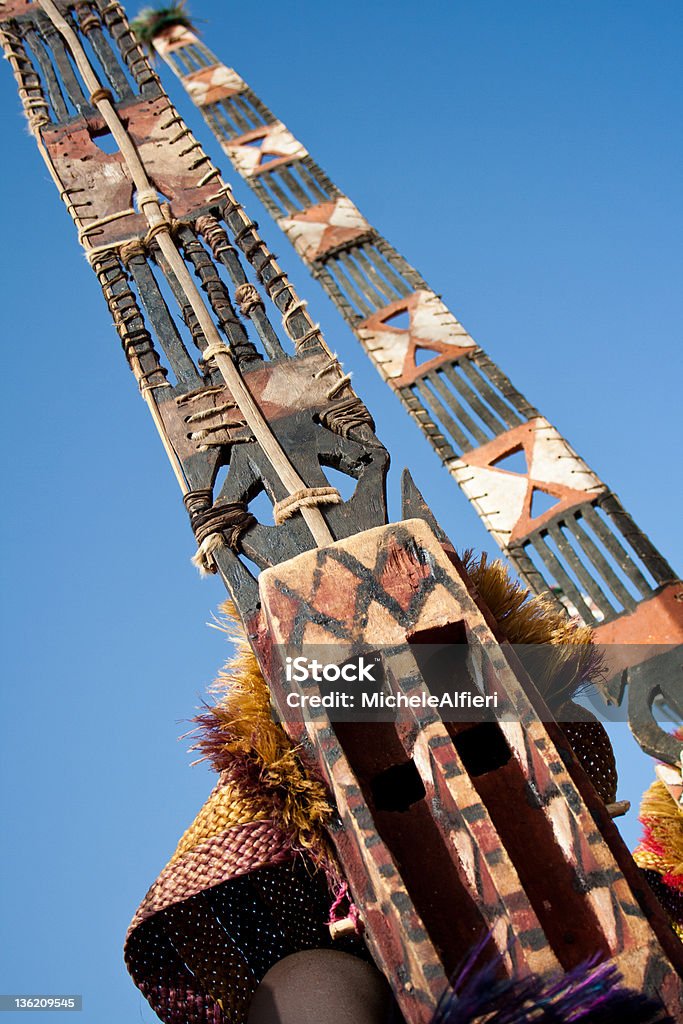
569,656
523,619
664,821
239,730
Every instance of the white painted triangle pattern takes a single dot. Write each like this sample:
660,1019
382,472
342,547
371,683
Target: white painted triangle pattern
498,497
432,320
431,323
554,461
173,38
212,84
273,140
321,227
504,498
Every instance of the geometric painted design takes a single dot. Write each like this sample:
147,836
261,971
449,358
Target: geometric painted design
15,8
81,164
264,148
431,328
209,85
173,38
325,226
314,598
506,500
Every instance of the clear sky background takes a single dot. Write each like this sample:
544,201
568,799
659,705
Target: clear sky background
526,158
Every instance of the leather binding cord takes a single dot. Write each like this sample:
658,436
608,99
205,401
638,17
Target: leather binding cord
214,525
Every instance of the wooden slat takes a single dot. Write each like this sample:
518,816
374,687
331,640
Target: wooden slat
611,542
324,277
181,362
430,401
568,589
399,265
494,424
601,564
111,66
370,292
52,86
320,180
433,378
503,384
480,382
239,103
363,307
374,253
236,114
270,180
218,119
424,420
61,62
579,569
389,292
289,178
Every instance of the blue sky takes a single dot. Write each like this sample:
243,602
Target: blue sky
525,158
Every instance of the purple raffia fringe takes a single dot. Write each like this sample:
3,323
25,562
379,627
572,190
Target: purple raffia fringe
588,994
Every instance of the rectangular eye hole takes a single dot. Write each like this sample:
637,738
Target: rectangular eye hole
482,748
397,788
395,801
